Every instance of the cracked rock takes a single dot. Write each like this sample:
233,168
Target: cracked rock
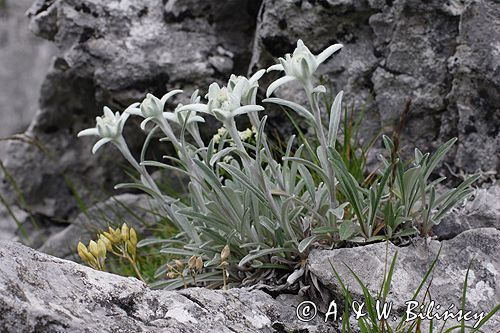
40,293
478,247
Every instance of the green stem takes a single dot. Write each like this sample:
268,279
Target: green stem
136,269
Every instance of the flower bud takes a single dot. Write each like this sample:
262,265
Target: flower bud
226,251
171,275
133,237
179,265
125,233
199,264
192,262
109,236
149,107
107,241
101,248
83,252
117,234
131,249
94,249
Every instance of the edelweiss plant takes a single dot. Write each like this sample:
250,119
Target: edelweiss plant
267,212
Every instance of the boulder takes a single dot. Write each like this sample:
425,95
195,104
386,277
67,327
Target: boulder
437,53
25,60
479,248
113,53
482,212
40,293
440,54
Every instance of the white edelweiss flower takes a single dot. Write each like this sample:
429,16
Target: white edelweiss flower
109,128
183,117
223,103
151,107
246,88
222,131
222,98
300,65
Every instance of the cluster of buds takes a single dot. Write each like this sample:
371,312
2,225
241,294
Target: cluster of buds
195,266
249,135
93,255
121,242
179,270
123,239
175,271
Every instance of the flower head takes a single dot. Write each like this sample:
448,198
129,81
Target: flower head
109,128
222,99
245,88
151,108
300,65
228,102
185,118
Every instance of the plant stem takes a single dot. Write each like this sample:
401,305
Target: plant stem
224,278
136,269
320,133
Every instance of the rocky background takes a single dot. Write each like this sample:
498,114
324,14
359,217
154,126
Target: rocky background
24,60
443,55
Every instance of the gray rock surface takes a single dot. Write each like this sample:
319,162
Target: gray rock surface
442,55
113,53
478,247
482,212
24,60
40,293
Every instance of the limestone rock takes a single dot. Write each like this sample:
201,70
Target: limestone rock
439,54
113,53
40,293
24,62
478,247
482,212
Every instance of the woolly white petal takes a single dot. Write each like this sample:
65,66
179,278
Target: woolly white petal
170,116
197,119
99,144
328,52
194,107
108,112
168,95
133,105
256,77
88,131
247,109
272,87
213,89
277,67
133,111
144,122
